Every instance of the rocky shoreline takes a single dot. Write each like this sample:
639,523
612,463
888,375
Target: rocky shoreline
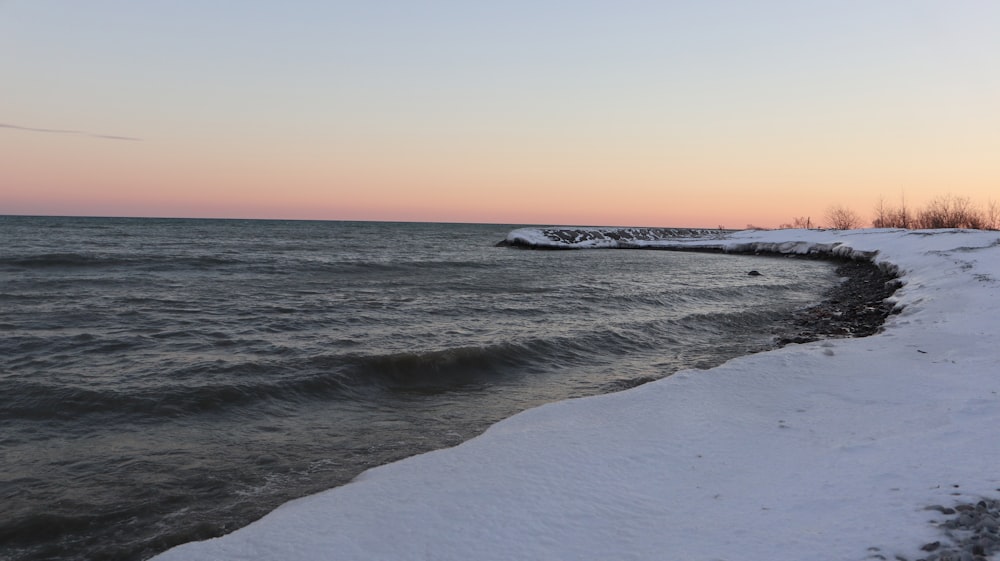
856,307
971,534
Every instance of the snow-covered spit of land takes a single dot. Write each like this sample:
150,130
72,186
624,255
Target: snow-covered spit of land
824,450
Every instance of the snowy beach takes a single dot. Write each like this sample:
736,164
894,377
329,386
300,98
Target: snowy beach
834,449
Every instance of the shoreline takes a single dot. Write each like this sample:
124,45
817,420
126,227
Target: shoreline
857,307
848,446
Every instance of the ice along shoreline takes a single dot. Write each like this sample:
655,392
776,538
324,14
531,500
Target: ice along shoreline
835,446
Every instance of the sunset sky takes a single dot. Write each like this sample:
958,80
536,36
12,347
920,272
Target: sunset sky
621,112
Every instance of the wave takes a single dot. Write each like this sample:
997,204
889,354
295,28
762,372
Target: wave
366,269
321,377
84,261
22,531
60,260
280,264
210,386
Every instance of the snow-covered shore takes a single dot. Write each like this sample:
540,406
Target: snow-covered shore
822,450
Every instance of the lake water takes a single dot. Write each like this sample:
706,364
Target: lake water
163,381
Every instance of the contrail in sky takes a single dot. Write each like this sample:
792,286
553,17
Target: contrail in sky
61,131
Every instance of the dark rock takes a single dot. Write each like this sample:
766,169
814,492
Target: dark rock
855,308
971,532
754,274
941,509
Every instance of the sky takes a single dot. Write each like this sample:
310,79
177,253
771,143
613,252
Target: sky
644,113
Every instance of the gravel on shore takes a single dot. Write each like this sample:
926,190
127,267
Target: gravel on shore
856,307
971,534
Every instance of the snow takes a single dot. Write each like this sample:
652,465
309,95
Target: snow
603,237
814,451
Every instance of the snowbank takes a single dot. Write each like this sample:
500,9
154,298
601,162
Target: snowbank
815,451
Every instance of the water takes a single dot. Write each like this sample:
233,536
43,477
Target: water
163,381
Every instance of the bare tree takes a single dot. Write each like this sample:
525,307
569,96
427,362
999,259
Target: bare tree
883,215
842,218
903,218
992,215
886,216
950,211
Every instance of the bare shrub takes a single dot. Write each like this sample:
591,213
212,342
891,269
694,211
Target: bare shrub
949,211
842,218
798,222
934,216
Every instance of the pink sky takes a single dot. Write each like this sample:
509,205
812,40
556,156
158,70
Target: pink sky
612,115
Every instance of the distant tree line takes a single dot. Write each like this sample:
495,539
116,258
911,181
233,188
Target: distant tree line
948,211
